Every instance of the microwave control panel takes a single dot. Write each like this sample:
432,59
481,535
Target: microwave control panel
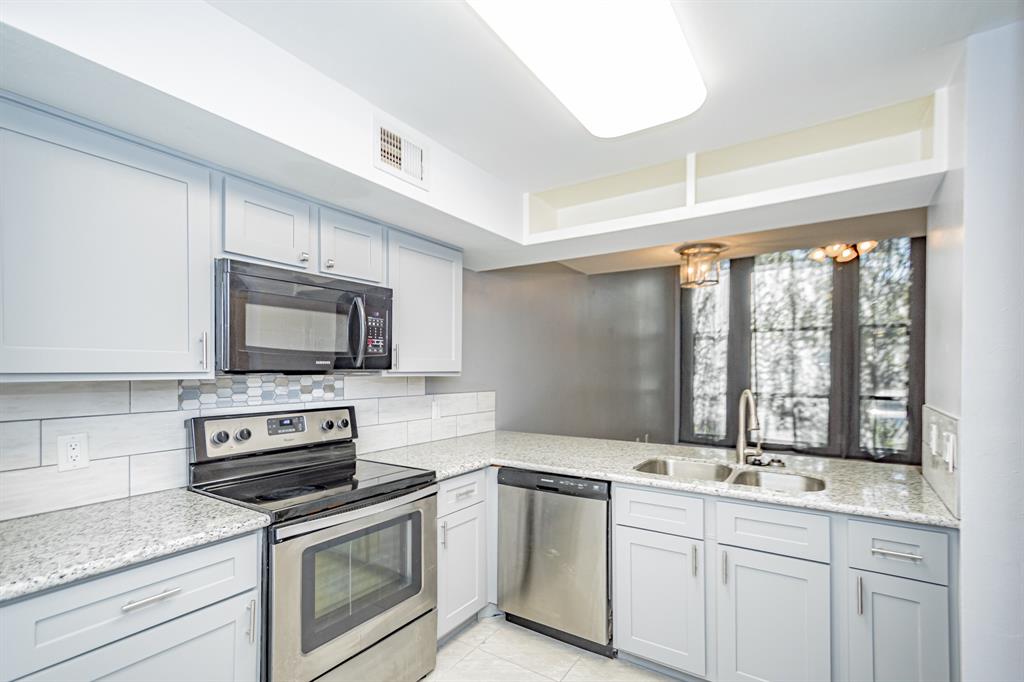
376,334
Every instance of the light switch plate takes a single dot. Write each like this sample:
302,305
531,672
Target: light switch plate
940,455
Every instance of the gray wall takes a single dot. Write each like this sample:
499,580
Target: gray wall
570,354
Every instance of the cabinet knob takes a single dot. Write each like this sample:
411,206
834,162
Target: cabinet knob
329,264
303,257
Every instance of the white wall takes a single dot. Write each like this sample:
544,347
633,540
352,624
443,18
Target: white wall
992,411
944,270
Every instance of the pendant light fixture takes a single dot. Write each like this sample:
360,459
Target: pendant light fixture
842,253
701,266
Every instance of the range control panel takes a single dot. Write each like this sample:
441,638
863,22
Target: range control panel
244,434
376,333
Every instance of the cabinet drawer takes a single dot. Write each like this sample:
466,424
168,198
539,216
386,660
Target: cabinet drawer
460,492
790,533
895,550
663,512
54,627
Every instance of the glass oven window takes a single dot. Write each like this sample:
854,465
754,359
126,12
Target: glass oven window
349,580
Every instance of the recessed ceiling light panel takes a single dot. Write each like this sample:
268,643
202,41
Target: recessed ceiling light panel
618,66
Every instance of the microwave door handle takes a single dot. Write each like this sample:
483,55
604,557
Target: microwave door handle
361,355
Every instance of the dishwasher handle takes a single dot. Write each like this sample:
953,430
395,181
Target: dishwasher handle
554,484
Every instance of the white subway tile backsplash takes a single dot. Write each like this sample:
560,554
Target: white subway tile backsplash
19,445
475,423
158,471
456,403
366,411
62,399
445,427
417,385
419,431
485,401
357,386
403,409
119,435
382,437
42,489
154,396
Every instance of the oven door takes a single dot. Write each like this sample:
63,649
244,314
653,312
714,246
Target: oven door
337,590
297,323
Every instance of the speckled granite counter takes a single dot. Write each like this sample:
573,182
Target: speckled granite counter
887,491
48,550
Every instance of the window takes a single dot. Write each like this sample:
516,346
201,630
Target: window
833,352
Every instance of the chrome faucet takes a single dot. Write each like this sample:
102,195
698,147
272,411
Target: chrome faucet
742,451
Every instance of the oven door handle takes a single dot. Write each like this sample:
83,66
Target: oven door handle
361,355
286,532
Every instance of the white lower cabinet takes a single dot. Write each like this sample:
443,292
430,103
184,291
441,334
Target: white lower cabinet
659,598
215,644
461,566
898,629
773,618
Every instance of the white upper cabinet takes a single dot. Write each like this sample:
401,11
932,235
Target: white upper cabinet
267,224
104,254
351,247
773,618
427,282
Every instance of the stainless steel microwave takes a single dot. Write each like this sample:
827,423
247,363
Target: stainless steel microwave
276,320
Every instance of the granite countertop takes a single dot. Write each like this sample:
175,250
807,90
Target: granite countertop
49,550
886,491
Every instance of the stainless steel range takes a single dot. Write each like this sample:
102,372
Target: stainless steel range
352,557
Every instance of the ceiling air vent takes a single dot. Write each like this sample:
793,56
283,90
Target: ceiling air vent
398,155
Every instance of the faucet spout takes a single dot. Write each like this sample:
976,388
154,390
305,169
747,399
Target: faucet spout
747,403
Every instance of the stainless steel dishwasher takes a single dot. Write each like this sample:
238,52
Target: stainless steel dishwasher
553,562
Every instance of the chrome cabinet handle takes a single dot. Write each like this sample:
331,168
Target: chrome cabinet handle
444,534
725,567
898,555
695,561
463,495
205,340
133,605
395,363
860,595
329,264
252,621
304,257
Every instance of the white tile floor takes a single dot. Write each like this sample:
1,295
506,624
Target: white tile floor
493,650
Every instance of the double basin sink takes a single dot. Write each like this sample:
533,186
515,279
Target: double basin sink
709,471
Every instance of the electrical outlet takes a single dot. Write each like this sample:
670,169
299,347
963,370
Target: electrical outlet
435,409
72,451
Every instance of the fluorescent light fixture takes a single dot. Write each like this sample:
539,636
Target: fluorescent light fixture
618,66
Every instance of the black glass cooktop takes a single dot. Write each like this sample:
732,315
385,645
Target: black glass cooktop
310,490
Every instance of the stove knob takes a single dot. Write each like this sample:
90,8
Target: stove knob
343,424
243,435
221,437
327,424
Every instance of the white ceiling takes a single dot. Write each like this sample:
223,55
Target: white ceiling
770,67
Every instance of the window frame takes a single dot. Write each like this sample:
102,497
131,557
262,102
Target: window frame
844,390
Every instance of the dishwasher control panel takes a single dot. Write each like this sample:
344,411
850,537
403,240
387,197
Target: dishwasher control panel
553,483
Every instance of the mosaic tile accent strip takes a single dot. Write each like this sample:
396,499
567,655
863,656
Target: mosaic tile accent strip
266,389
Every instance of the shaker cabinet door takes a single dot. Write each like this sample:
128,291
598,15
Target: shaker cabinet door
659,598
427,283
899,629
216,644
105,261
351,247
263,223
461,566
773,618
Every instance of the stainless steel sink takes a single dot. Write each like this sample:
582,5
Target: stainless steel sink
790,483
682,468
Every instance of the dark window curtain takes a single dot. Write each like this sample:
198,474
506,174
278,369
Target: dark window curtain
834,353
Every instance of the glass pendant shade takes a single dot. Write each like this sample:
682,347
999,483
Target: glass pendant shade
700,266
